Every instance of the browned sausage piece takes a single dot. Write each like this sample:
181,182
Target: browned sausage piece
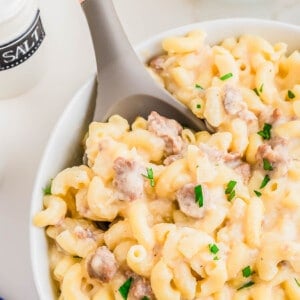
187,202
83,233
244,170
276,152
170,159
169,130
128,180
157,63
140,288
234,104
102,265
233,100
218,155
271,117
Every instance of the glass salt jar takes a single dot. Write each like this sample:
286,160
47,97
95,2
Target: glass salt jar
22,46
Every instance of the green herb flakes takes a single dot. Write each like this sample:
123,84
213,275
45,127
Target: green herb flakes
213,248
267,165
150,176
248,284
266,132
261,88
256,91
226,76
298,283
125,287
230,186
291,95
47,189
199,195
265,181
257,193
230,192
198,86
231,196
247,272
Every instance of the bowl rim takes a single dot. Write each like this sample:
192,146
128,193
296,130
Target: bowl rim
143,45
188,27
36,190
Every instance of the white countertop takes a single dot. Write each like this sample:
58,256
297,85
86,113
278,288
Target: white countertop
26,122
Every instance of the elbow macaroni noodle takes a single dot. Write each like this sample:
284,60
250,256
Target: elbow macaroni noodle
239,238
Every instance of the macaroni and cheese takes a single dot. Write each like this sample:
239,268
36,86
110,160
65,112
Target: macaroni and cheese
158,211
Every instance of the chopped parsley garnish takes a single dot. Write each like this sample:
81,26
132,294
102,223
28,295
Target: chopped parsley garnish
267,165
247,271
125,287
248,284
47,189
145,298
199,195
291,95
261,88
298,283
230,192
266,132
257,193
230,186
150,176
198,86
216,258
265,181
226,76
198,105
256,91
213,248
231,195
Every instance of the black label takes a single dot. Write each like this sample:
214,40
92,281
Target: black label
19,50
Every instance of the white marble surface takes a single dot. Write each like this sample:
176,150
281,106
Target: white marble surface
25,122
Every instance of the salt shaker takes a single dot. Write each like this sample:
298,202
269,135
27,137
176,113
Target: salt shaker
22,46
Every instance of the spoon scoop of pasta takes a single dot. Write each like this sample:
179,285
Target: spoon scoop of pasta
124,85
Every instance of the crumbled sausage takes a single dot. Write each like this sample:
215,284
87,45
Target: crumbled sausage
234,104
169,130
140,287
128,180
247,115
244,170
271,117
187,203
276,152
218,155
170,159
276,116
83,233
233,100
102,265
157,63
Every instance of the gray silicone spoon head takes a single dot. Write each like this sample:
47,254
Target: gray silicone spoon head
124,85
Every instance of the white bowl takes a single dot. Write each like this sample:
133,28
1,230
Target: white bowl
64,148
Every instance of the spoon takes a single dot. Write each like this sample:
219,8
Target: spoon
124,85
